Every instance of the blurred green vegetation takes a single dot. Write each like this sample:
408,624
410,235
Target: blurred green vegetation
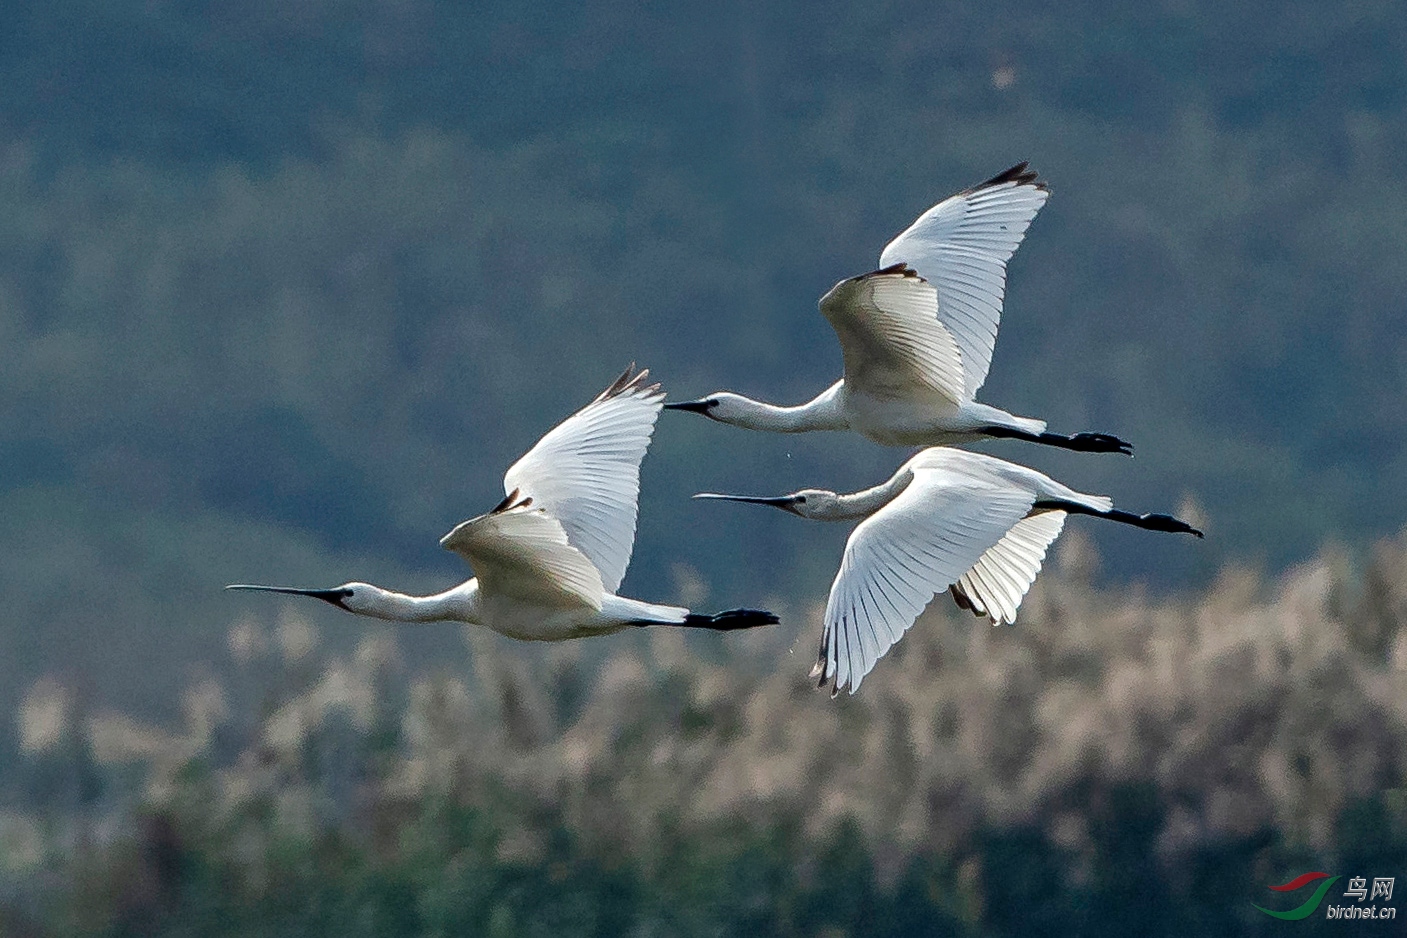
1112,766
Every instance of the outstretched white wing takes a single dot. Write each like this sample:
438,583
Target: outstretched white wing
899,558
586,472
520,551
894,346
997,583
961,246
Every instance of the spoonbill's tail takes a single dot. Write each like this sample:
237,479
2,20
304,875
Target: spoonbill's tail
1079,442
1149,522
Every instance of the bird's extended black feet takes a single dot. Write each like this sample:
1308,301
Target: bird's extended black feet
1079,442
1151,522
731,620
1156,522
1090,443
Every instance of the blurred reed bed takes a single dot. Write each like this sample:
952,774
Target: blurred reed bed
1150,762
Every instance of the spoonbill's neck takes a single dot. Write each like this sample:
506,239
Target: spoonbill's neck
821,413
866,502
460,604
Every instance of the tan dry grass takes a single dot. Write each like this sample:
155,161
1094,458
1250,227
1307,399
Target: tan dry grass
1252,705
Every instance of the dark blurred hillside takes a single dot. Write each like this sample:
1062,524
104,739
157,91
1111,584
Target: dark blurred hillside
283,291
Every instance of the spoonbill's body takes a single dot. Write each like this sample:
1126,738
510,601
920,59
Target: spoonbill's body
550,556
917,335
948,519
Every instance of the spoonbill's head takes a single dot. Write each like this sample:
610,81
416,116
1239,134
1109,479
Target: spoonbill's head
807,503
353,597
723,406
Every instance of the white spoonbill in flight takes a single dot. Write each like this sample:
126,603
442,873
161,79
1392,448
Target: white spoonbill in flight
917,335
948,519
550,556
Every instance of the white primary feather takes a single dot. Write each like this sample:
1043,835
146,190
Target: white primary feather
586,472
961,246
893,344
899,558
521,552
997,583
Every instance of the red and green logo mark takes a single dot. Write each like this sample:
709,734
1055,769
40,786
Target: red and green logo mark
1310,904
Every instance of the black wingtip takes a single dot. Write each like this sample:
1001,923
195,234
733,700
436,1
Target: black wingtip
963,600
1021,174
731,620
901,269
511,501
629,382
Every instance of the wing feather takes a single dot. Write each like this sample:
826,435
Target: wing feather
961,246
890,335
586,472
522,552
1000,579
899,558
